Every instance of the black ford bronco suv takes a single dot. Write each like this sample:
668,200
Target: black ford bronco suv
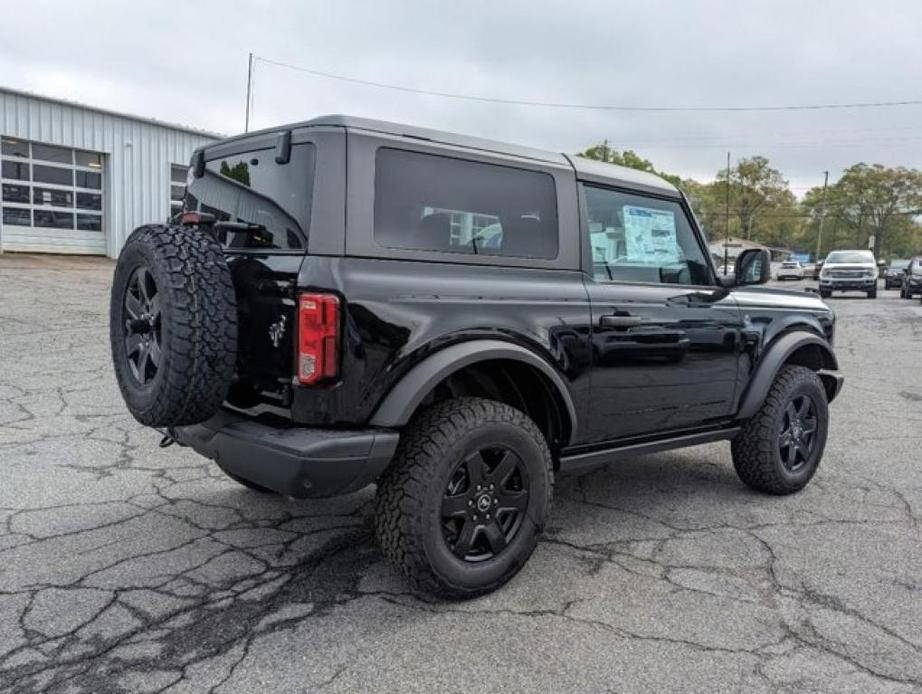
347,301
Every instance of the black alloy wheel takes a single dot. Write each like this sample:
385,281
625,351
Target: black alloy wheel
484,503
797,439
462,504
779,448
142,325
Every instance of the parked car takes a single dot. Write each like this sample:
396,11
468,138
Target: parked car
893,275
849,271
790,270
912,279
314,327
817,269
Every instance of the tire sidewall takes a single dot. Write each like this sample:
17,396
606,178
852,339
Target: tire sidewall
798,478
139,398
471,576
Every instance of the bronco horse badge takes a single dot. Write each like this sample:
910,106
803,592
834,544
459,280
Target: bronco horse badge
277,331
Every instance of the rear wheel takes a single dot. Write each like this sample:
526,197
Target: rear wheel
779,449
461,507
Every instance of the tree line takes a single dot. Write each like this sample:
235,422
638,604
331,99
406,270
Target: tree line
868,201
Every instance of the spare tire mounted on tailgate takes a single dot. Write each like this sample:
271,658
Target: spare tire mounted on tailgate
173,325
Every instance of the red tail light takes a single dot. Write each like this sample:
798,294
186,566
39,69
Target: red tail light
318,337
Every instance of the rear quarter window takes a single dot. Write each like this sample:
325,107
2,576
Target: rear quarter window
251,187
428,202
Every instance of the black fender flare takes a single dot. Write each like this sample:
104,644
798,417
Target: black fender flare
401,402
772,360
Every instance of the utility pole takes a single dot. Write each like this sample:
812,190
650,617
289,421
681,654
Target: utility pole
819,236
246,126
727,242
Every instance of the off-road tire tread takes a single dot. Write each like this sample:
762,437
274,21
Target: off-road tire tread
753,448
402,489
201,322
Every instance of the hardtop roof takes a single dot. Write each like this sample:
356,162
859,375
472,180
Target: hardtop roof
589,169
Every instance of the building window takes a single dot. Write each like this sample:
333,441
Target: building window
177,188
50,187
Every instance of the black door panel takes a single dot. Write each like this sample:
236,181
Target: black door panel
664,357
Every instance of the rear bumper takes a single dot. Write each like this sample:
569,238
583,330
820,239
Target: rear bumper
296,462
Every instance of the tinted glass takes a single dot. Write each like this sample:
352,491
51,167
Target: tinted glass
16,217
253,188
434,203
59,155
87,179
89,201
14,148
850,257
634,238
14,169
91,159
50,196
13,193
53,174
56,220
89,222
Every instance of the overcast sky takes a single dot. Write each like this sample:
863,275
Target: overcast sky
186,62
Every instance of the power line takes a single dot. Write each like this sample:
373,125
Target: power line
587,107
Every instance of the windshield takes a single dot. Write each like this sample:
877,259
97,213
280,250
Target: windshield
850,257
899,264
252,187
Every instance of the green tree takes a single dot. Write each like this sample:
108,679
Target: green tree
755,188
870,200
239,172
629,158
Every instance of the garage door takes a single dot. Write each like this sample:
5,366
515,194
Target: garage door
52,198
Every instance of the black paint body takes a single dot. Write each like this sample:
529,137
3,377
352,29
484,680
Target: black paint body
685,364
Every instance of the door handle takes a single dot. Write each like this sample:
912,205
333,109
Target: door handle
615,321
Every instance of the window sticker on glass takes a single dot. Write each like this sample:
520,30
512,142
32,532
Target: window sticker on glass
650,235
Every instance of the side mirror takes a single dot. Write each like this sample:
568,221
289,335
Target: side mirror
753,266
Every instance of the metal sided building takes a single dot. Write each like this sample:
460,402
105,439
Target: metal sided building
78,179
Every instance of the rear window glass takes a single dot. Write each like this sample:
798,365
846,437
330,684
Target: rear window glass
428,202
251,187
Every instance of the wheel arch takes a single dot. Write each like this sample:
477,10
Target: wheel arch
493,368
800,348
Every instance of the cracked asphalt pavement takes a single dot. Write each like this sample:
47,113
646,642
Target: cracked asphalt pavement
127,568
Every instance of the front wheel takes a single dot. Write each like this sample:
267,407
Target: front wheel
460,509
873,293
779,449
